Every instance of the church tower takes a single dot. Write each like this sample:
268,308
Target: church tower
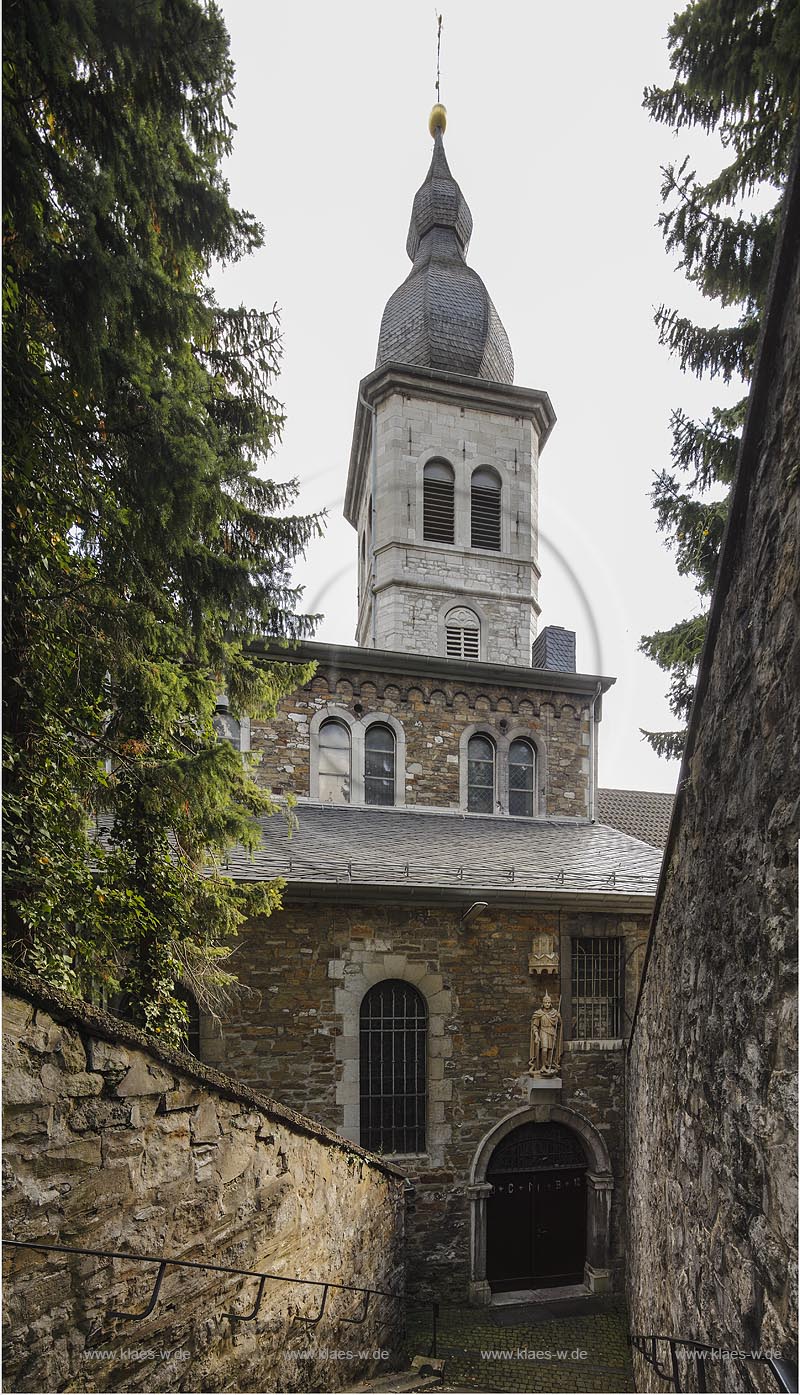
443,482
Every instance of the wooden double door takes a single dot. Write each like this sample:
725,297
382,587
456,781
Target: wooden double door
536,1214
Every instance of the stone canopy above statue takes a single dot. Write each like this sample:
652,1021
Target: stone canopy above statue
442,316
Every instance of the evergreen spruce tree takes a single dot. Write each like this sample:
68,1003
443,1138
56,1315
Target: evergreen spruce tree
737,74
144,551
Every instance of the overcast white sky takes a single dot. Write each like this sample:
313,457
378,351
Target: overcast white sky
561,168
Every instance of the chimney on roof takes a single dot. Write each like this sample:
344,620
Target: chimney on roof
554,649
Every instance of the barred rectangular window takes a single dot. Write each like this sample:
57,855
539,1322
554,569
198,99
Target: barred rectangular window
596,989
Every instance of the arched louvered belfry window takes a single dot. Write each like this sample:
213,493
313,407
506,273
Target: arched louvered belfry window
438,502
480,775
486,510
379,764
334,763
393,1033
521,778
462,633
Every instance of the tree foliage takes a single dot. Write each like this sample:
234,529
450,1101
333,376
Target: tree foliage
737,76
144,551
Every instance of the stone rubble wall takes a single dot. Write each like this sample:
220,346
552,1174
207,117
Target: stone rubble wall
113,1143
433,715
712,1078
297,1036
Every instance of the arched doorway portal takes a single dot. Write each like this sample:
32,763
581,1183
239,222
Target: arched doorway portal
536,1214
580,1144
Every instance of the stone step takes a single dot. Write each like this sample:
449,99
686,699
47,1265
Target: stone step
425,1373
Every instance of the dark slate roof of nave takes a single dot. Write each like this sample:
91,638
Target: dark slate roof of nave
643,814
356,845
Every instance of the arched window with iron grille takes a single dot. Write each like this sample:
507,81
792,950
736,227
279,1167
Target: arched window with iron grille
438,502
393,1034
480,775
521,778
334,763
486,508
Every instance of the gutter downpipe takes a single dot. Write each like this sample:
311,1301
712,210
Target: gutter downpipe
593,754
373,411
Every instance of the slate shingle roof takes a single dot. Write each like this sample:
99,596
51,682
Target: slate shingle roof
442,315
643,814
371,846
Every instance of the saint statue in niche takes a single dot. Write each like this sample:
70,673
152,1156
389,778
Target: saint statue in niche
546,1035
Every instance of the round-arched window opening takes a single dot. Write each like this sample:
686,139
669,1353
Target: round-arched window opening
480,775
227,727
521,778
462,631
379,764
334,763
486,494
393,1029
438,502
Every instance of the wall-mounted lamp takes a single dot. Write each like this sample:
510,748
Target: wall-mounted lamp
472,912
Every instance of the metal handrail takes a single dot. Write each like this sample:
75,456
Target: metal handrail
783,1371
163,1261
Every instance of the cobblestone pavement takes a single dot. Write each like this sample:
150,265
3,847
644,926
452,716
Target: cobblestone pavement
581,1346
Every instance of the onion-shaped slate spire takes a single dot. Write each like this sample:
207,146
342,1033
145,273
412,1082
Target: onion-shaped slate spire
442,317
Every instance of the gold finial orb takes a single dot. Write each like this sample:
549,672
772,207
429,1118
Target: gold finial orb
437,121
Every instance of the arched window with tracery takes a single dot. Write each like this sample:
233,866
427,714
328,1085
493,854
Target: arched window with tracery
393,1030
334,763
521,778
379,764
486,498
480,775
438,502
462,634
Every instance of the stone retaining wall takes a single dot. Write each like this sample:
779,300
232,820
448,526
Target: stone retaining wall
712,1077
113,1143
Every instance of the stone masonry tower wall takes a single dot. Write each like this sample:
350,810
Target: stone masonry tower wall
416,581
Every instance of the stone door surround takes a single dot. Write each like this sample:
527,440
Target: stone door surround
599,1186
